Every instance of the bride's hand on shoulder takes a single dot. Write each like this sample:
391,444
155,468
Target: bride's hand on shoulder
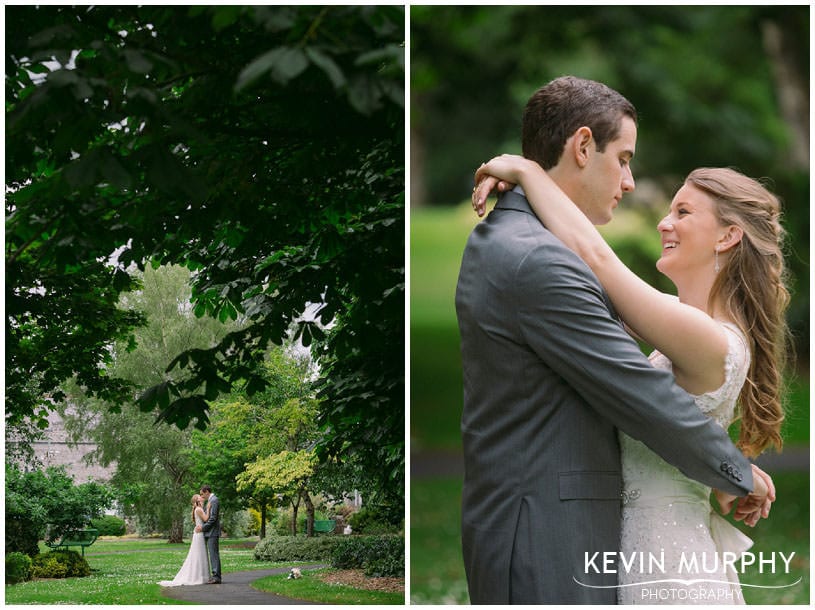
500,174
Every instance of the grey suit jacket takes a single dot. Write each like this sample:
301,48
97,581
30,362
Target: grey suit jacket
549,376
212,526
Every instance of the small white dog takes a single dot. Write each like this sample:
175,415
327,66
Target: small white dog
294,573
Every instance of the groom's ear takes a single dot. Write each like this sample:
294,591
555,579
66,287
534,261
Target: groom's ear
579,145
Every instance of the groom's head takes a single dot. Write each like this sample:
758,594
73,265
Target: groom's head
584,134
205,491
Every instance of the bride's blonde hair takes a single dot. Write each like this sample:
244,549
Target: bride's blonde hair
752,286
195,498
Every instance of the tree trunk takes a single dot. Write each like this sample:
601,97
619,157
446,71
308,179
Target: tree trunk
295,507
176,531
309,513
791,86
263,521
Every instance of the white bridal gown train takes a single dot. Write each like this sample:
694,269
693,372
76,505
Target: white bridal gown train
195,570
669,528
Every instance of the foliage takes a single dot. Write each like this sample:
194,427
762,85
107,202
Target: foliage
377,555
18,567
109,525
261,146
59,564
296,548
21,433
373,519
279,473
41,498
253,525
237,523
285,473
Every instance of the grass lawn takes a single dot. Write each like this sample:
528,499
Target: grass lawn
126,571
310,587
436,568
437,239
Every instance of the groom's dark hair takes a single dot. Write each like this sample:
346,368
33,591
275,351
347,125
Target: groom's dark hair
561,107
205,488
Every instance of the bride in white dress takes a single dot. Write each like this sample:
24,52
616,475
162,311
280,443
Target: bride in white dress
195,569
721,247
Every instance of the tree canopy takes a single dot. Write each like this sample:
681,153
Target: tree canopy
261,147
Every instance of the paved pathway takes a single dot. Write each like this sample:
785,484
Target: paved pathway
235,589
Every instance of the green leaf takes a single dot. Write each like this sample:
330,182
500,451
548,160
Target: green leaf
327,65
284,63
137,62
114,173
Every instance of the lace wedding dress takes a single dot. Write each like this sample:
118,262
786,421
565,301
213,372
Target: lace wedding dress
195,570
672,542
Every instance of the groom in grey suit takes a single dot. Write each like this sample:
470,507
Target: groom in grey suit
550,375
212,533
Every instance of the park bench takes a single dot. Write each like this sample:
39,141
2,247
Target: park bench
324,526
82,538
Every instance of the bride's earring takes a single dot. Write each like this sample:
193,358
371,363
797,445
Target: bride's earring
716,260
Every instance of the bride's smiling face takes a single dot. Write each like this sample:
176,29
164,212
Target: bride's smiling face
689,234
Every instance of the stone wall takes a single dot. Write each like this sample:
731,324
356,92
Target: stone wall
55,450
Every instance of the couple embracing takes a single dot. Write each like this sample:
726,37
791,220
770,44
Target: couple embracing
589,466
203,562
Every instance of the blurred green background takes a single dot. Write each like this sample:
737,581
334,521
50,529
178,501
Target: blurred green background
713,87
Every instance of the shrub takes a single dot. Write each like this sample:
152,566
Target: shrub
48,567
59,564
253,527
377,555
373,520
296,548
109,525
18,568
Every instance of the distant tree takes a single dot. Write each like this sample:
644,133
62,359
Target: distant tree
286,474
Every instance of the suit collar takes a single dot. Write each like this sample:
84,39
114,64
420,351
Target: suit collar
513,200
